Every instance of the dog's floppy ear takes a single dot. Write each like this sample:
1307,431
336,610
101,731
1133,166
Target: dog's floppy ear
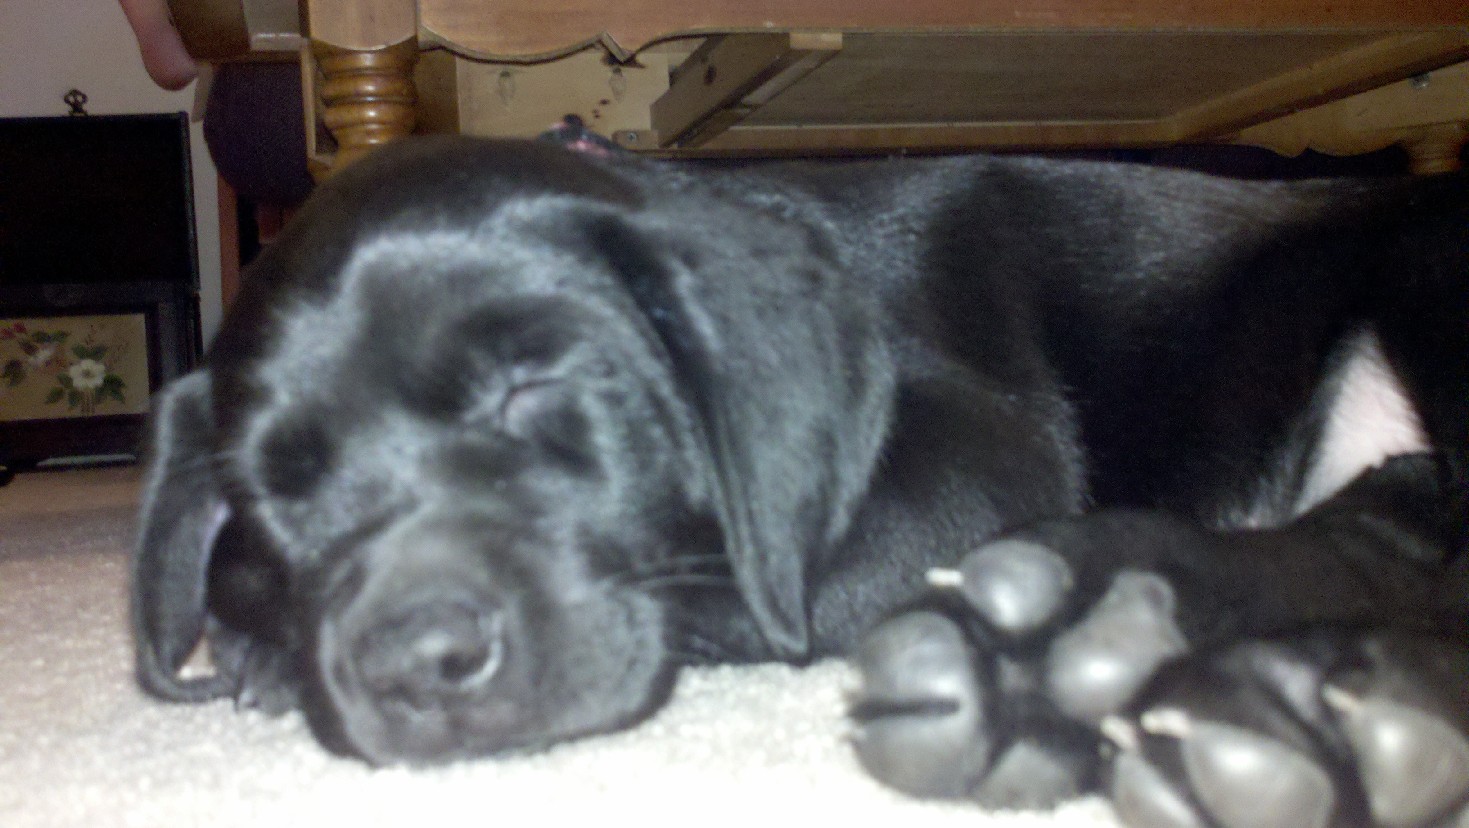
788,378
182,513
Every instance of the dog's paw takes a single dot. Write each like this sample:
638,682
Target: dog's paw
1324,729
263,677
1012,681
933,720
997,690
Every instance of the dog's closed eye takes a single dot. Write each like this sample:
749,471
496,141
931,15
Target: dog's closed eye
524,402
295,455
494,366
544,413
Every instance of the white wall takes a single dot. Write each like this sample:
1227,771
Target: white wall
50,46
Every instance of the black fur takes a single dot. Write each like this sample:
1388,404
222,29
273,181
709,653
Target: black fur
501,435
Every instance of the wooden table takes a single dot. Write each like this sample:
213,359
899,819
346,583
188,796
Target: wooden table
763,77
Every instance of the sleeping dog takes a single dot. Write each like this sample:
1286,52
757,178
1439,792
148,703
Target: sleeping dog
1106,477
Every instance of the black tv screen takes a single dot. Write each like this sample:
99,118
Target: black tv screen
92,200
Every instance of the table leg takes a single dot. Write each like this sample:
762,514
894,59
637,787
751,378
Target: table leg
1436,148
367,96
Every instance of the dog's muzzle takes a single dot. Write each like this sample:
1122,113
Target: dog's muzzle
424,654
416,649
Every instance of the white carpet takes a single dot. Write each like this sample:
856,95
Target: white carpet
80,746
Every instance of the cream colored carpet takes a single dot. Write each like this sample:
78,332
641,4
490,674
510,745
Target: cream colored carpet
80,746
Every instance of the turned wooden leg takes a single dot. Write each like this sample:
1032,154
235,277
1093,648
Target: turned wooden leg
367,97
1435,149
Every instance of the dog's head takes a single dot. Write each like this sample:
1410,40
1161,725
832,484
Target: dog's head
471,416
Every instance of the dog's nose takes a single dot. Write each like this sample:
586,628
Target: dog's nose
431,651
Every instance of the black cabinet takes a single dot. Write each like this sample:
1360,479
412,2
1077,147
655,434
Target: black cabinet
99,280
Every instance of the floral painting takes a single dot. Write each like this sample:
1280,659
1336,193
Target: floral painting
73,366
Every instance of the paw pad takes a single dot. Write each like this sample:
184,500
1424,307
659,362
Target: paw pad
1098,666
1015,585
919,716
1144,798
1245,779
1413,766
1276,734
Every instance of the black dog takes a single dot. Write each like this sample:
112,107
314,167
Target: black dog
497,436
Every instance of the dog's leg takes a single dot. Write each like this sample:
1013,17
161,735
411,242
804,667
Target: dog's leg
950,433
1000,685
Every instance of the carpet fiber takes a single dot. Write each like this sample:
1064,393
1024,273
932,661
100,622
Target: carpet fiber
80,746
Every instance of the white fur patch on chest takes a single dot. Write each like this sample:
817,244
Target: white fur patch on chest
1369,419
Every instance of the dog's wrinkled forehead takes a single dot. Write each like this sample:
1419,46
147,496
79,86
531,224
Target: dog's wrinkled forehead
429,277
428,332
415,223
525,245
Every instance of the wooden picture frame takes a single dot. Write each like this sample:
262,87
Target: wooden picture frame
79,383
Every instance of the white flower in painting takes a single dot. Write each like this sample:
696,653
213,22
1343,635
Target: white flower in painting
87,374
42,356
